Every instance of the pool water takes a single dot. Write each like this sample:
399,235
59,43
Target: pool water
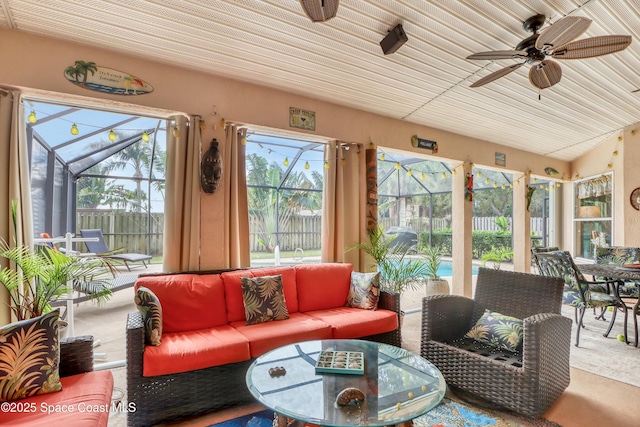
446,269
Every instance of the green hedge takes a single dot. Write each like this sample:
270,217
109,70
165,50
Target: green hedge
483,241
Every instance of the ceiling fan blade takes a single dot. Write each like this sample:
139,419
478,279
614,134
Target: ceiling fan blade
562,32
591,47
499,54
545,74
497,74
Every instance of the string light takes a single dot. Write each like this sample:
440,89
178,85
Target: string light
542,186
558,184
397,165
382,157
422,176
176,132
479,174
286,161
511,185
74,129
495,185
444,175
615,153
503,187
410,172
112,136
32,117
620,138
454,171
243,141
486,180
145,136
609,165
306,166
517,182
326,164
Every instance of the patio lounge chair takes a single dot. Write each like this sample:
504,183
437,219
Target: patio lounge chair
100,248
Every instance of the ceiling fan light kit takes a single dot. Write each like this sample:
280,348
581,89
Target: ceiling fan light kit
555,41
320,10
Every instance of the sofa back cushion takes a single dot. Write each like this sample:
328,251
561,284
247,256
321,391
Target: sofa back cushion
322,286
233,289
189,301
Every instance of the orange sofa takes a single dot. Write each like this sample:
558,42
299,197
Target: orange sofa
85,398
206,346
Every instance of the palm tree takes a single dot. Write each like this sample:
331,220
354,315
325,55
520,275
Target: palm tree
81,68
138,156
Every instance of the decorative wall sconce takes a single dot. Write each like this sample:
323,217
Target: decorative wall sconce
211,168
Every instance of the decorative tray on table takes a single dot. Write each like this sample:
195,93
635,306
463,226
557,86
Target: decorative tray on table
340,362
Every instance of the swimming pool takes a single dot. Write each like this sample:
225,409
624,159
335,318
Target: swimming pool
446,269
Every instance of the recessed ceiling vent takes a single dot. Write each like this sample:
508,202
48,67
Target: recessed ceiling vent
320,10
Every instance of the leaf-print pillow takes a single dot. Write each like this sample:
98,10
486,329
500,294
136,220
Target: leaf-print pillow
263,299
498,331
149,306
364,291
30,357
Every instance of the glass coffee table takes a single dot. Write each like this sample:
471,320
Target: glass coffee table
397,385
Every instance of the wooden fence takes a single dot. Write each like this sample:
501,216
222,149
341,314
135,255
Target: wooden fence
131,231
128,230
303,232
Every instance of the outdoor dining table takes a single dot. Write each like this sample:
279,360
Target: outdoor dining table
617,272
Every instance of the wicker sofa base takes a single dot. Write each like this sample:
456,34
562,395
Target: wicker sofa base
164,398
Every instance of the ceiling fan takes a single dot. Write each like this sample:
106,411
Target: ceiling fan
554,41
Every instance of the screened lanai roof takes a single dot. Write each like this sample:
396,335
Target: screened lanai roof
94,142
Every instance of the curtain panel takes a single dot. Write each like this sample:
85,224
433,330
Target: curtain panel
236,212
15,182
182,203
344,200
595,187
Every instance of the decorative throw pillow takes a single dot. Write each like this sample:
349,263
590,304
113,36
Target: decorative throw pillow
498,331
263,299
364,291
30,357
149,306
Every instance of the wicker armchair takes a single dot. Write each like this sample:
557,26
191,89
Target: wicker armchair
527,381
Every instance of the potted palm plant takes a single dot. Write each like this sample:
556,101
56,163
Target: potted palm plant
36,278
436,285
399,271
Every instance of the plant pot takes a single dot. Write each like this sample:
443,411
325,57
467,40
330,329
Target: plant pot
437,287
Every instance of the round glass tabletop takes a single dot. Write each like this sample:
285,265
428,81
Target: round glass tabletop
398,385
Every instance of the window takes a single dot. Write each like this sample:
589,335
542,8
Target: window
284,192
593,216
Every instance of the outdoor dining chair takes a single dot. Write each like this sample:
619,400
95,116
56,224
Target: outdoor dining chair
578,291
100,248
620,255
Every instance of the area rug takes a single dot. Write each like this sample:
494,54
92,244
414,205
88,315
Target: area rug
449,413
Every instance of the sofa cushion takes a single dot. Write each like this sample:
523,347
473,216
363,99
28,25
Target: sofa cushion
87,396
191,350
347,322
263,299
264,337
364,291
151,310
189,301
233,289
30,357
322,286
497,330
